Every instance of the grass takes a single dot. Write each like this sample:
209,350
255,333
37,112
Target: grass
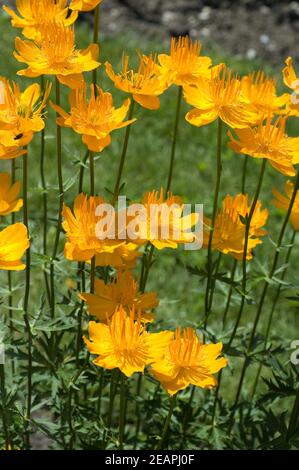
146,168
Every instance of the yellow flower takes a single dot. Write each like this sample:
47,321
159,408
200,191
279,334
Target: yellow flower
123,257
94,119
188,362
81,230
9,152
184,65
220,97
260,91
291,81
13,244
229,230
22,112
268,141
8,195
283,202
56,54
125,344
34,13
84,5
145,85
161,221
121,292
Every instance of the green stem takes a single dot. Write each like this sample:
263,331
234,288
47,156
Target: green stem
113,388
138,421
61,201
215,205
293,419
244,258
25,306
264,292
96,27
82,170
122,420
3,406
174,138
91,168
276,298
160,444
213,284
9,273
123,155
81,286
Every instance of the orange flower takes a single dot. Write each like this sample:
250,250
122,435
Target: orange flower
34,13
9,152
260,91
121,292
56,54
81,230
291,81
184,65
188,362
283,202
125,344
84,5
8,195
271,142
13,244
123,257
220,97
94,119
229,230
145,85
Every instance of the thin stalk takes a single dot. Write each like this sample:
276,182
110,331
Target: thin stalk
96,32
174,138
294,418
80,311
113,388
274,304
167,423
138,421
25,306
215,205
264,292
91,168
122,419
9,273
244,258
45,203
61,201
82,170
214,283
3,406
124,154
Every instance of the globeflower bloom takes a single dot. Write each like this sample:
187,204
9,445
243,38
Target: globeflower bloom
268,141
125,344
184,65
160,221
84,5
124,257
260,91
188,362
80,226
123,291
34,13
22,112
145,85
13,244
218,97
291,80
56,54
94,119
229,230
283,202
9,152
9,201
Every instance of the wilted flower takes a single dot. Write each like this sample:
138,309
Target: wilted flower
184,65
34,13
13,244
283,202
9,192
268,141
125,344
84,5
188,362
122,291
94,119
229,229
145,85
220,97
56,54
